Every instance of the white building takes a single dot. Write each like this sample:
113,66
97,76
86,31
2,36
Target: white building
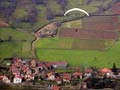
17,80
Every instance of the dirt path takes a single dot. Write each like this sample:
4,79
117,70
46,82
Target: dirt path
33,45
49,26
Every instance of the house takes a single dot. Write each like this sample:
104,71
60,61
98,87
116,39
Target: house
15,71
59,64
66,77
25,69
55,88
48,66
83,86
3,24
18,63
88,72
5,79
29,77
77,75
33,63
41,66
58,80
107,72
51,76
17,80
29,71
1,77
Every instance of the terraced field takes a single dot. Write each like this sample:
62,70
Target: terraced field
101,23
89,34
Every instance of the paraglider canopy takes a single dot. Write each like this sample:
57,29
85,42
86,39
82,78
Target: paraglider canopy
76,9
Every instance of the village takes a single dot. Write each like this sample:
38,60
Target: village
34,72
44,48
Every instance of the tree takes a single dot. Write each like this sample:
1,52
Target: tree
7,8
63,3
114,69
32,16
44,2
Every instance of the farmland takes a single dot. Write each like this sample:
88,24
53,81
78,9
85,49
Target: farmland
15,43
87,34
73,44
81,57
82,41
100,22
91,41
65,49
55,43
83,47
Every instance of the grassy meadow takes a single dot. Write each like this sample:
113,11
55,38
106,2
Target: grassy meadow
60,49
19,45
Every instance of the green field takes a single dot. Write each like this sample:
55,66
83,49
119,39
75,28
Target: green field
52,49
89,44
19,45
74,43
84,58
55,43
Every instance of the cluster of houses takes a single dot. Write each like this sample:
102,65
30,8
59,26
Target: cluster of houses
28,69
31,71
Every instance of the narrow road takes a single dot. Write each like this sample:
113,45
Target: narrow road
33,45
49,26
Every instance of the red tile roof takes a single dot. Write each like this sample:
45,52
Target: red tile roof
55,88
3,24
88,70
105,70
67,76
58,63
77,74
